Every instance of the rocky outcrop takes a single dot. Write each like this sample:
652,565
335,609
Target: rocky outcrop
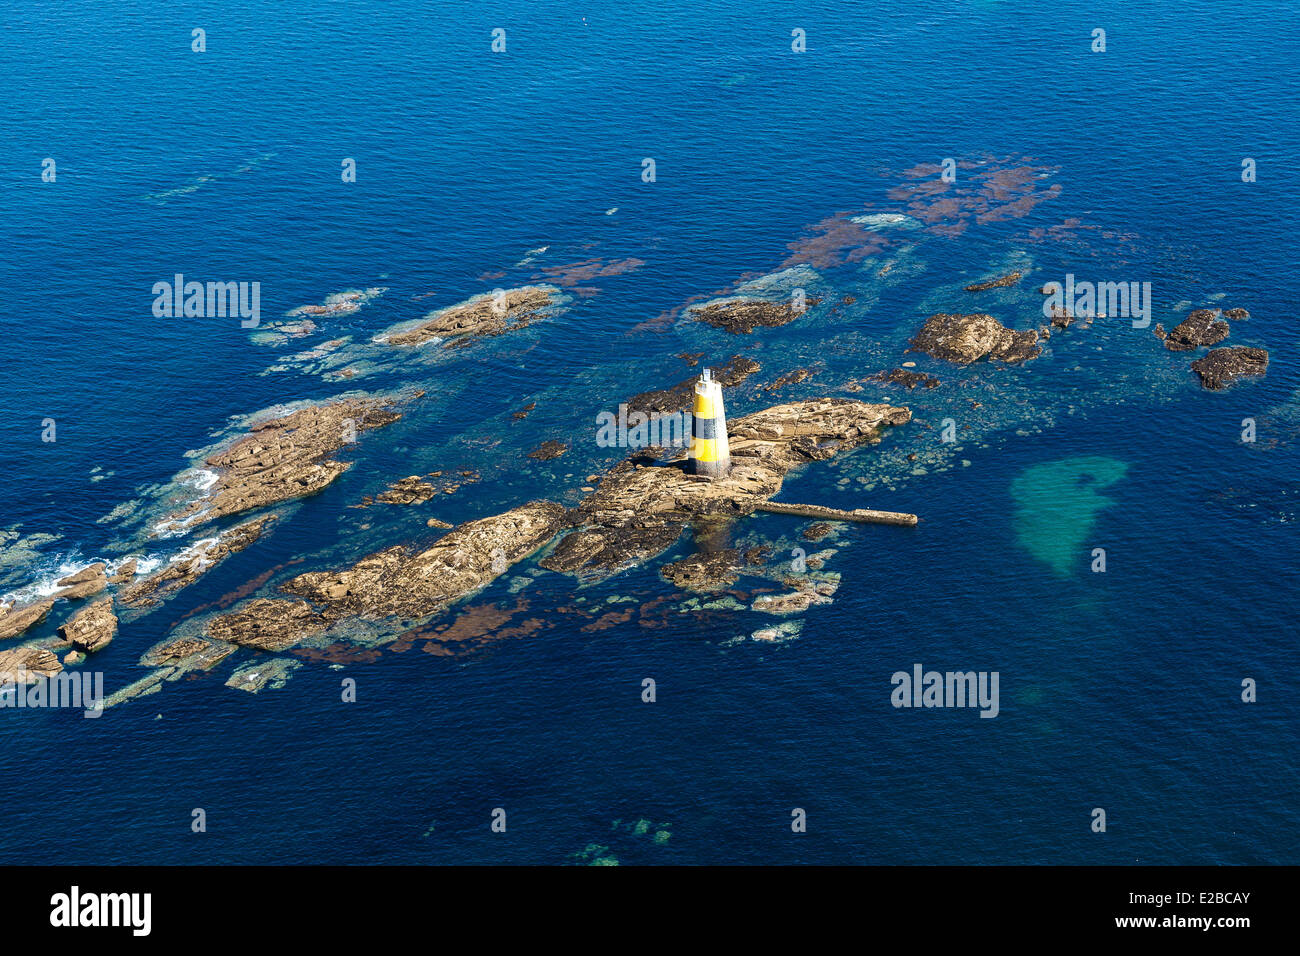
407,491
14,619
681,397
640,510
1201,327
963,339
125,572
1221,367
706,571
1000,282
89,580
742,316
91,628
26,665
483,316
1236,315
285,458
906,378
190,563
400,582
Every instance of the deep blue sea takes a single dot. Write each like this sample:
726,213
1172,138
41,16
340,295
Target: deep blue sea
478,170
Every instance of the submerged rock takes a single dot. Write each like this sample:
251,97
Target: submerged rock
1010,278
192,562
963,339
15,619
91,628
548,450
1221,367
789,378
253,677
742,316
708,571
640,511
482,316
285,458
1201,327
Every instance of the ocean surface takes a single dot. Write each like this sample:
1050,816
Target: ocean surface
774,169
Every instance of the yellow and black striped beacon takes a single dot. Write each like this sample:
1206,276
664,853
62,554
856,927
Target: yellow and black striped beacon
710,453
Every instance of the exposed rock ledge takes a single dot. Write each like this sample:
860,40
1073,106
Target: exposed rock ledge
744,315
1221,367
16,619
27,665
963,339
637,512
285,458
640,511
482,316
1201,327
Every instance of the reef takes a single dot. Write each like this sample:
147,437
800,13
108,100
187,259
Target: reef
483,316
963,339
742,316
284,458
548,450
1219,368
640,510
1201,327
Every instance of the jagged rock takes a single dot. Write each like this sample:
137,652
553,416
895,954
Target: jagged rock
1061,318
91,628
483,316
817,530
1002,281
640,511
27,664
901,376
438,523
806,593
1236,315
16,619
963,339
711,571
254,677
192,562
1201,327
407,491
1221,367
285,458
89,580
744,315
125,572
1160,332
548,450
681,397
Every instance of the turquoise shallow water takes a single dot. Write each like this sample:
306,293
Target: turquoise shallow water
478,171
